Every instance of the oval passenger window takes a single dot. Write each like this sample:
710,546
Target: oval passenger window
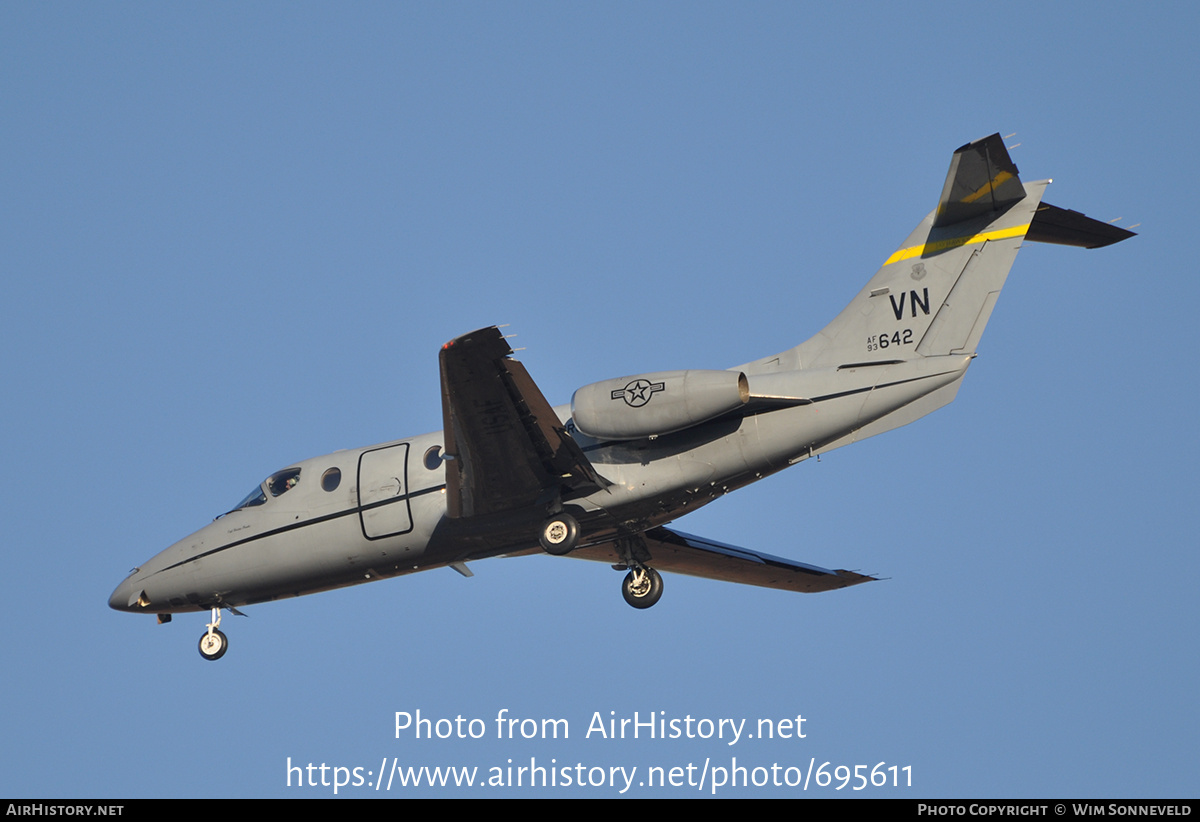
433,458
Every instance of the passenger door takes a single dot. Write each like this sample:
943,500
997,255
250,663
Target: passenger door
383,491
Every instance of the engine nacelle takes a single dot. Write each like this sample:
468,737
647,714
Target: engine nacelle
649,405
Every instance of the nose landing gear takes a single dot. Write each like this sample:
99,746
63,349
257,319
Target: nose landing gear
214,644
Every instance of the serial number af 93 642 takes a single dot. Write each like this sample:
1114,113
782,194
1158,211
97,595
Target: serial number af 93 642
904,337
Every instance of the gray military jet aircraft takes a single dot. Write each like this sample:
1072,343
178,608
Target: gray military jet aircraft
510,475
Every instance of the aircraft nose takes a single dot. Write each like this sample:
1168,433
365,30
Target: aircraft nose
125,597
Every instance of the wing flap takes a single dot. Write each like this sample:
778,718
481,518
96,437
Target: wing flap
680,553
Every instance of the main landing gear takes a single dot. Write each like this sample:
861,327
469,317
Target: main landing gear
214,644
559,535
642,587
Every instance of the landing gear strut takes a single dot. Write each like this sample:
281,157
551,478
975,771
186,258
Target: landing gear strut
214,644
642,587
559,534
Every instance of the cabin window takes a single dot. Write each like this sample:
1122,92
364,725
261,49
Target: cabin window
331,479
433,458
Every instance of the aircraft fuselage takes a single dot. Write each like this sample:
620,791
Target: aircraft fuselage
387,514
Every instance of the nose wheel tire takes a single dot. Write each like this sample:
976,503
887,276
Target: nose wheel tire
642,587
559,534
213,645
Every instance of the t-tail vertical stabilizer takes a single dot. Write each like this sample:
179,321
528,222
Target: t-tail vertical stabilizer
934,295
927,307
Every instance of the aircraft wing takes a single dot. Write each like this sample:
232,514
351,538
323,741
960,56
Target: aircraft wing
698,557
506,448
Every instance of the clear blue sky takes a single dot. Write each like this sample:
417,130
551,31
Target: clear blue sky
234,237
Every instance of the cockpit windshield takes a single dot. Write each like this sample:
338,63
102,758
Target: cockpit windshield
278,483
283,481
255,497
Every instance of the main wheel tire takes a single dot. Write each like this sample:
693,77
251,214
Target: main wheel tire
645,592
559,534
213,646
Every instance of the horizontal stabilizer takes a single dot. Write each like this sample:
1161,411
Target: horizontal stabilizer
1062,226
982,179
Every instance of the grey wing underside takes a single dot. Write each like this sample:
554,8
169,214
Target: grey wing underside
698,557
506,449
